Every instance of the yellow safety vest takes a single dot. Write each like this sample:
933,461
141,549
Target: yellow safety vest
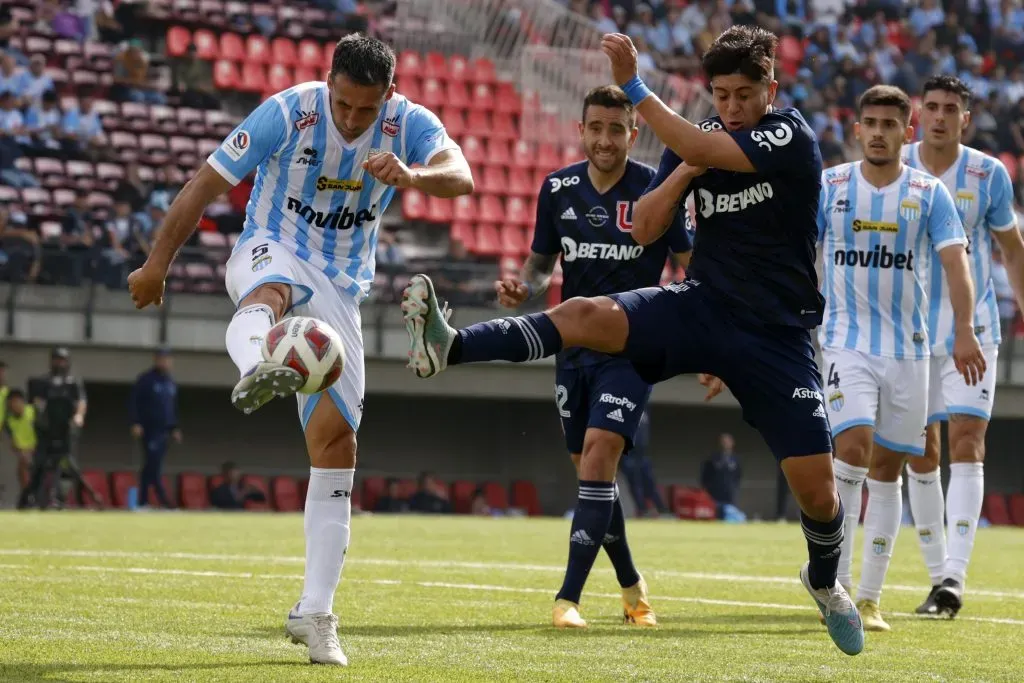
23,429
3,403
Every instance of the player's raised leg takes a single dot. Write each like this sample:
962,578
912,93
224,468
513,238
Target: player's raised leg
924,484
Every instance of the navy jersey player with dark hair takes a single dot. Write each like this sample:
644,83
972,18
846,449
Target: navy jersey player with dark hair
584,215
745,311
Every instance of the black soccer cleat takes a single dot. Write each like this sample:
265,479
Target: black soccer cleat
929,607
949,597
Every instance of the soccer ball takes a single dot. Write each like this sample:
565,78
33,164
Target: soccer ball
310,347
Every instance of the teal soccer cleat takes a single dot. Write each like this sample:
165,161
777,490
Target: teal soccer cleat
426,321
841,615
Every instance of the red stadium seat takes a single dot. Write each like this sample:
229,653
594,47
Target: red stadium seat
482,97
462,496
192,491
513,241
491,209
518,212
483,71
305,74
432,94
279,77
498,152
995,509
465,209
411,88
435,65
463,232
473,150
206,44
257,49
493,181
254,78
311,54
488,240
414,205
284,493
691,503
282,51
458,68
373,489
571,153
495,495
232,47
225,75
479,123
507,100
520,183
406,488
410,64
548,158
178,40
523,155
101,484
1017,509
260,484
120,483
453,121
439,210
456,95
524,496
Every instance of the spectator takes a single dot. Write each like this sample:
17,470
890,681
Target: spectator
104,22
8,29
132,189
162,191
639,473
429,497
12,77
76,240
83,128
131,77
231,494
153,415
720,476
478,506
36,81
20,246
193,79
19,421
391,501
43,123
12,123
124,243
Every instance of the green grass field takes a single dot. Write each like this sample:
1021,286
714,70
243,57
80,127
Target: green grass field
202,597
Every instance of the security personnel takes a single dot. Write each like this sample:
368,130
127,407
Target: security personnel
20,424
60,402
153,411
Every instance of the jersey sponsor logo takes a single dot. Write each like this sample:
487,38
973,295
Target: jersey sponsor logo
624,216
237,146
874,226
333,220
558,183
571,250
920,184
840,179
569,215
842,206
769,138
323,183
617,401
709,126
597,216
964,199
976,171
306,119
310,157
804,392
910,208
731,203
879,257
389,126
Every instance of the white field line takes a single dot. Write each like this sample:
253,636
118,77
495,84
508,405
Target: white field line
445,585
452,564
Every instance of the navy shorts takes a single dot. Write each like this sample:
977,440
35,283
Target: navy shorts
607,395
770,369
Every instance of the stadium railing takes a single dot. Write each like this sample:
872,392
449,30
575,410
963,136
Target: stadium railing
552,54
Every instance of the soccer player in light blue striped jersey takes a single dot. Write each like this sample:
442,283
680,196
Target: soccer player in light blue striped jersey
879,222
328,158
983,194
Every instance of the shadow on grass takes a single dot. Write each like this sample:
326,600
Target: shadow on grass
39,673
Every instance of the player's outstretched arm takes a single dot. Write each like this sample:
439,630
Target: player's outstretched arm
657,208
147,283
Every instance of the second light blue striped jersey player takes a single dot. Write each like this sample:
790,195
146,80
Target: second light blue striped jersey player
877,246
983,194
311,193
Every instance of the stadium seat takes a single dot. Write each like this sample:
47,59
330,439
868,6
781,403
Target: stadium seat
691,503
493,181
523,155
995,509
458,68
63,197
521,184
462,496
498,152
373,488
260,484
482,97
432,94
178,40
473,149
283,52
513,241
488,239
507,100
311,54
454,122
232,47
206,44
409,65
254,78
411,88
279,77
101,484
305,74
225,75
414,205
192,491
439,210
465,208
571,153
456,95
524,495
284,494
406,488
1017,509
495,495
518,212
435,65
503,126
464,233
212,240
257,49
120,484
482,71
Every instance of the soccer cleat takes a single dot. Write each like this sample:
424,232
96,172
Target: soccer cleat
319,632
821,617
263,382
841,616
950,597
871,615
430,335
929,607
636,606
566,614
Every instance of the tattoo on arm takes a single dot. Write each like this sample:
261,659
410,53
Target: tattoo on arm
537,271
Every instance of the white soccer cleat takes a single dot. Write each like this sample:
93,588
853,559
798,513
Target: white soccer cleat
320,633
430,335
264,381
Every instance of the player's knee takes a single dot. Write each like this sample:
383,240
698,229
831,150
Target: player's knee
968,446
331,445
276,295
820,503
854,447
885,466
574,315
601,452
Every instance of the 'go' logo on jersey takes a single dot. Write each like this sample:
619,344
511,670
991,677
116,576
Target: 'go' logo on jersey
558,183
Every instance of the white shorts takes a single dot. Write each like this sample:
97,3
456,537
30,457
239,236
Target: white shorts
258,262
888,394
949,393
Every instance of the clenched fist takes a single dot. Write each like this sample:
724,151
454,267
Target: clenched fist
389,169
146,285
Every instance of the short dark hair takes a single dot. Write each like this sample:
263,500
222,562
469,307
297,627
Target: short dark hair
611,96
885,96
746,50
364,60
15,393
950,84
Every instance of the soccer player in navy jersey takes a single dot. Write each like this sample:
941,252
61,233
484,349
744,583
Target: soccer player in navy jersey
745,311
584,215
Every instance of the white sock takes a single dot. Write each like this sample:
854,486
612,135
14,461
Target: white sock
327,517
963,508
849,483
244,337
881,525
928,508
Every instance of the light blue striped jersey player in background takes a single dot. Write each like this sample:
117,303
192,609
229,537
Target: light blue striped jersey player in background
983,194
328,158
879,222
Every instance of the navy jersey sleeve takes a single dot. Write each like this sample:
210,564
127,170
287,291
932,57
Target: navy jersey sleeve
777,144
545,235
670,161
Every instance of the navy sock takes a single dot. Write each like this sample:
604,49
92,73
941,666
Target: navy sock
617,547
519,339
824,546
589,526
